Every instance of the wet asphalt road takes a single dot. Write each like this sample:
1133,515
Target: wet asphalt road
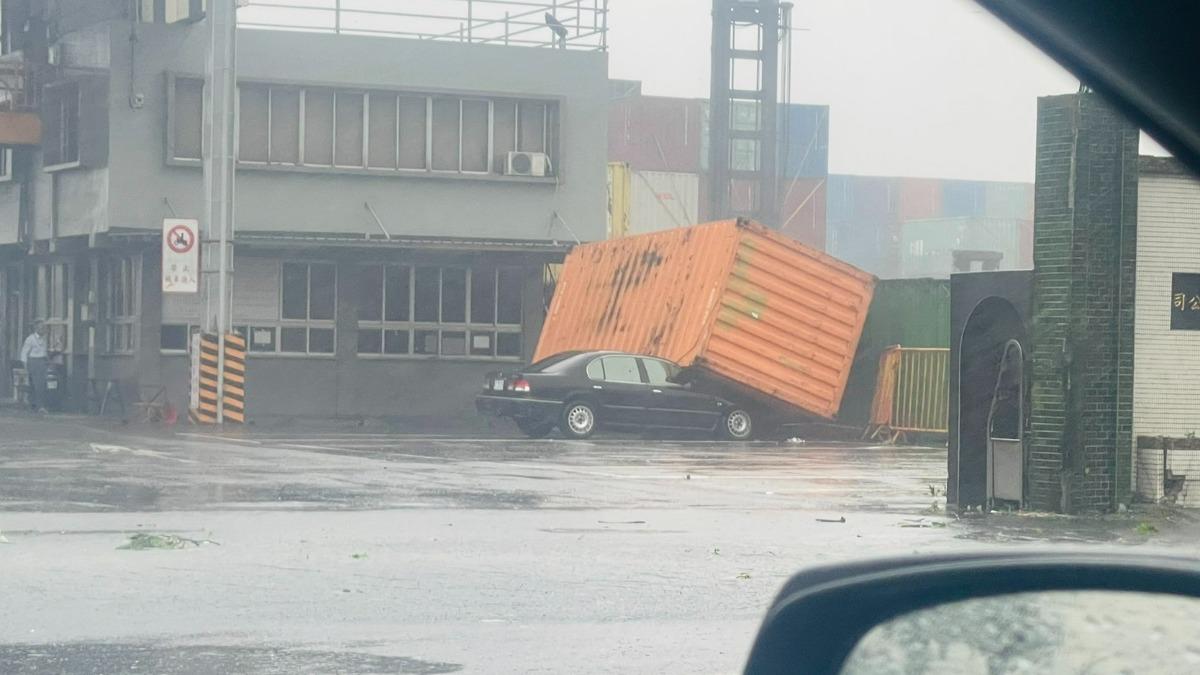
374,552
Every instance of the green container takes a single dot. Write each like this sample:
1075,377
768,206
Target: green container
905,312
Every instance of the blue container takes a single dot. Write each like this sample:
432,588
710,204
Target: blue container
805,129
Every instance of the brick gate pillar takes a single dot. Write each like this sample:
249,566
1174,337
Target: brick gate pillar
1085,227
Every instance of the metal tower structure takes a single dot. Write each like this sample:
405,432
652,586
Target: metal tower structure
748,37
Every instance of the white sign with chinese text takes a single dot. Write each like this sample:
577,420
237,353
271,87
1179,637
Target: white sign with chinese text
181,256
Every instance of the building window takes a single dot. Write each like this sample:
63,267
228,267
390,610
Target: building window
446,312
6,163
120,302
52,303
60,137
377,131
171,11
187,117
308,302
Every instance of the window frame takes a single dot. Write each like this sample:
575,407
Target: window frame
469,327
493,170
309,324
114,321
51,94
6,163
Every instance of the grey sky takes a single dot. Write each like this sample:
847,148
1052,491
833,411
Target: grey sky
934,88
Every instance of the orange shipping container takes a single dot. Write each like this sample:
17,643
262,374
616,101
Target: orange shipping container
730,299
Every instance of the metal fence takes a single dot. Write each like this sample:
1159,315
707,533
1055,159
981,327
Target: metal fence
566,24
912,393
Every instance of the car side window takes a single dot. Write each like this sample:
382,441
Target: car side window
622,369
595,370
659,372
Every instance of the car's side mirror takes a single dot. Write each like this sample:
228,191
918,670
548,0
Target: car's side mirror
985,612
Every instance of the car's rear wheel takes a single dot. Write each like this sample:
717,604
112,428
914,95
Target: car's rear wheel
578,420
737,426
535,428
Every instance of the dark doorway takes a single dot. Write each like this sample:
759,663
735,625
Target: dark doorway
985,389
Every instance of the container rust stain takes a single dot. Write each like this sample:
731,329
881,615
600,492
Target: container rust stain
731,299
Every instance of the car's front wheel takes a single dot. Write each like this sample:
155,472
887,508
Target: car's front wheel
578,420
535,428
737,426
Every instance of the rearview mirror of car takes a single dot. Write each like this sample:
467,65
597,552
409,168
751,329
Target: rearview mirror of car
985,613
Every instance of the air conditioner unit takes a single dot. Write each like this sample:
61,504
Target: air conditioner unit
527,164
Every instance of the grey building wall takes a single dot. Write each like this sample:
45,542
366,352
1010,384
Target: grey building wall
273,199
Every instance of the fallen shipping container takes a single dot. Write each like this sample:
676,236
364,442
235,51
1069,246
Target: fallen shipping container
732,301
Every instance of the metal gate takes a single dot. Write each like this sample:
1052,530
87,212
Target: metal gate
912,393
1006,430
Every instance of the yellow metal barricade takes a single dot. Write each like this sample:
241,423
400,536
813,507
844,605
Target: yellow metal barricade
912,393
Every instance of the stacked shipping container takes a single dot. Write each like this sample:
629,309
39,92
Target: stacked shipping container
907,227
658,150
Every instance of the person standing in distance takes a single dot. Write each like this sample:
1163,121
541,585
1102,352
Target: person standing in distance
35,355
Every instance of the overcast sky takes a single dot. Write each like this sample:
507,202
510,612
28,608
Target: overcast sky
935,88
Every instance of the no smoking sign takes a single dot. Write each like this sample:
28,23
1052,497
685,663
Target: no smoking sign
180,256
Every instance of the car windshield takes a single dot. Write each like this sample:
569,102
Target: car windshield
798,283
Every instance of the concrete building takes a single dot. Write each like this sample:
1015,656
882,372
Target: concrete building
345,313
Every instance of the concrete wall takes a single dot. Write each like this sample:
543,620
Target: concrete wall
1166,397
1080,451
344,384
325,202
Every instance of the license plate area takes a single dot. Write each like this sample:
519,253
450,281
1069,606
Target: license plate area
497,385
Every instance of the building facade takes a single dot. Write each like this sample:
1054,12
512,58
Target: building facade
1166,400
387,251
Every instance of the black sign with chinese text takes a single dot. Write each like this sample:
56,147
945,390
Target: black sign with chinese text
1185,301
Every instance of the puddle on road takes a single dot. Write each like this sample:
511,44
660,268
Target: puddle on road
90,657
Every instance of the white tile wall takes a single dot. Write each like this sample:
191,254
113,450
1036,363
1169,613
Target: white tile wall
1166,382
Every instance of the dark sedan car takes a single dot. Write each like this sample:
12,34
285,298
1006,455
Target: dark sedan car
580,392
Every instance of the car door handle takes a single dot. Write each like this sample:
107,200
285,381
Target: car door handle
596,386
657,391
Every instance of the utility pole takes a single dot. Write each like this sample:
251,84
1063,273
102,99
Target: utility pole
220,94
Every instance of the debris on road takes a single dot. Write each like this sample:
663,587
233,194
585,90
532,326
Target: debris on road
922,522
359,556
145,541
743,575
1146,528
832,520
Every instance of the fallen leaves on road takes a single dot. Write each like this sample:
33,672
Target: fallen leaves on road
359,556
145,541
1146,528
743,575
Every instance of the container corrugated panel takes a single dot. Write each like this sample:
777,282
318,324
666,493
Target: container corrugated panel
919,198
1008,200
962,198
662,200
618,199
656,133
805,128
732,299
802,210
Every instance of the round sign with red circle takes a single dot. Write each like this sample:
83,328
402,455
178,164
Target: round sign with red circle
181,238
